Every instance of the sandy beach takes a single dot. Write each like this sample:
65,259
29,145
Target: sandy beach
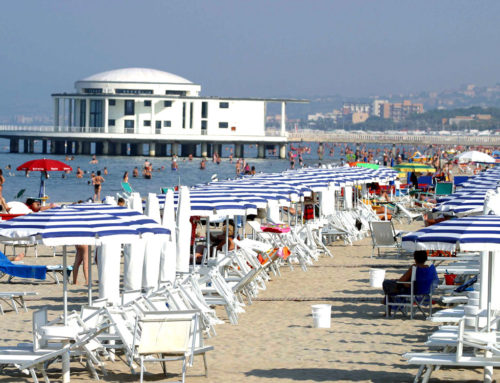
275,340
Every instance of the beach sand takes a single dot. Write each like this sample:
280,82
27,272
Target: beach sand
274,340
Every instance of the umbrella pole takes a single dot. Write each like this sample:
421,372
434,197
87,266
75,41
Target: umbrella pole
490,261
65,285
227,235
89,254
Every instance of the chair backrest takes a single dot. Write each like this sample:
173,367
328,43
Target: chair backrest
426,280
383,233
444,188
169,333
459,180
126,186
425,180
39,320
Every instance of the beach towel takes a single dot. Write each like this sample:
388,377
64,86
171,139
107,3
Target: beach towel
22,271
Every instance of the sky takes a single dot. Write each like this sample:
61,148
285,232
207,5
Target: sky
258,48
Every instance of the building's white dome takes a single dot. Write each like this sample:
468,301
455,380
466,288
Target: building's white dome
139,75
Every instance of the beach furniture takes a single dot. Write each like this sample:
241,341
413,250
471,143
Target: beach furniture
21,270
422,284
14,299
172,335
482,350
459,180
384,236
409,215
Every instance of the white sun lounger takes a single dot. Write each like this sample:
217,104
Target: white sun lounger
15,298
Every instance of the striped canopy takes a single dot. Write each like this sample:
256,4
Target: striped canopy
476,233
80,225
414,167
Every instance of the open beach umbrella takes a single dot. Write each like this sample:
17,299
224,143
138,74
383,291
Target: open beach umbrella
79,225
477,233
367,165
475,156
44,165
414,167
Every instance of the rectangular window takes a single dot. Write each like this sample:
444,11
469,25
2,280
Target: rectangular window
83,112
158,127
167,104
95,118
167,124
92,90
111,102
175,92
147,103
223,125
147,122
191,116
223,105
203,124
133,91
204,109
129,107
129,126
111,122
183,115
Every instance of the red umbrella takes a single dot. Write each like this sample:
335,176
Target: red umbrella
45,164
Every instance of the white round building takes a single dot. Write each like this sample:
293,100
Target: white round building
136,106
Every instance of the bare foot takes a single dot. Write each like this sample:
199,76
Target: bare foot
18,257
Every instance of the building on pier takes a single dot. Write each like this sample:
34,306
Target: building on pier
140,105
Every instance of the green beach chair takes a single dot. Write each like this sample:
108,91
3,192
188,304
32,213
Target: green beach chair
127,188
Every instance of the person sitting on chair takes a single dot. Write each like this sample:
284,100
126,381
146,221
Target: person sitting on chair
402,285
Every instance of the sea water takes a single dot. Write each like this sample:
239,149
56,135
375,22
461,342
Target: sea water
62,187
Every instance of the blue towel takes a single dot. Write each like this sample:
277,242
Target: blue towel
22,271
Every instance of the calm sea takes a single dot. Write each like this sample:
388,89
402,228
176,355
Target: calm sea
70,188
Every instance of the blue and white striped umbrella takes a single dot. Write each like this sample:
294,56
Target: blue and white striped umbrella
476,233
70,225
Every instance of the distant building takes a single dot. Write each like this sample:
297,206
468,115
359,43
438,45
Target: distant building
350,108
376,107
359,117
399,111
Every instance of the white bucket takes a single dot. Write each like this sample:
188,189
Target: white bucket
322,315
377,277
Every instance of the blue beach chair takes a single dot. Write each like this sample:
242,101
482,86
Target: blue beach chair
22,271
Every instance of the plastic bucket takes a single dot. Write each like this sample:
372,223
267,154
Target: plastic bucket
377,277
322,315
450,278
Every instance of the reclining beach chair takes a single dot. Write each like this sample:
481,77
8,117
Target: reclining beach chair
14,299
21,270
422,284
384,237
409,215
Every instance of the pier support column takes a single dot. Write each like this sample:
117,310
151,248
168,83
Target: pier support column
204,150
14,145
261,151
98,148
238,151
123,149
44,146
105,147
282,151
24,146
174,149
78,147
218,149
188,149
86,147
152,149
31,145
69,147
161,150
52,147
140,149
136,149
60,147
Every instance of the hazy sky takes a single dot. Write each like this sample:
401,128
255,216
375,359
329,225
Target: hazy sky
256,48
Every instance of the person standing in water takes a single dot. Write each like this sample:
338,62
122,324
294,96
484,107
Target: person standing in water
97,182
